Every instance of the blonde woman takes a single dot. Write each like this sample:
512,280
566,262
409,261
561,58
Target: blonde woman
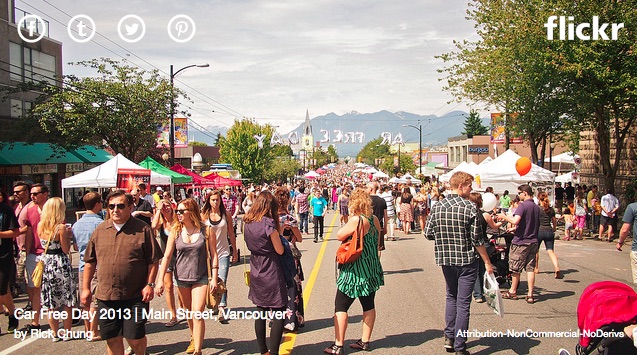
188,238
361,278
58,288
162,224
216,217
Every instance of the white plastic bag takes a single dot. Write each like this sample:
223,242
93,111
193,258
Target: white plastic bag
492,294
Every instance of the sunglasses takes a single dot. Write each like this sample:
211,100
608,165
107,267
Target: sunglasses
112,206
36,193
180,211
18,191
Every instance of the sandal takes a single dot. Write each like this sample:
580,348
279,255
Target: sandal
509,295
530,299
171,323
360,345
559,275
334,349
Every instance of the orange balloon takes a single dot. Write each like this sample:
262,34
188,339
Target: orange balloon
523,166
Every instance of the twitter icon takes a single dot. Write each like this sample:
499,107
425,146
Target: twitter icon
131,28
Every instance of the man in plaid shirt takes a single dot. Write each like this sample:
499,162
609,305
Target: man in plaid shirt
458,235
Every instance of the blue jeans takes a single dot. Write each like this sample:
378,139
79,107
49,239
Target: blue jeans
478,287
460,281
303,223
224,265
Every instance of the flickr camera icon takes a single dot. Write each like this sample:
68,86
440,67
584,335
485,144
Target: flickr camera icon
35,25
83,26
131,28
181,28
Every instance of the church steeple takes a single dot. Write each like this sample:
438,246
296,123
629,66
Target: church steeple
307,141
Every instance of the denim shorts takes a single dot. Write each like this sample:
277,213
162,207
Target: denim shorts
188,284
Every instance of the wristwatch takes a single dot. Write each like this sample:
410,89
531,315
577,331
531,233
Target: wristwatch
151,284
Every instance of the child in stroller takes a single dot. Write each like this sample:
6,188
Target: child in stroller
606,315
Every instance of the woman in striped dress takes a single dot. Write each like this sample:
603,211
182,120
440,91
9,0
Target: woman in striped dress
361,278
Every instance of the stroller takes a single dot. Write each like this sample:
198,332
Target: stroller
606,306
499,256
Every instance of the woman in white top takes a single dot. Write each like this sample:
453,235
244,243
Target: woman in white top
214,215
247,202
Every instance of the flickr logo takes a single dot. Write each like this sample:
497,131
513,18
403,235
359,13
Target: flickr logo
598,31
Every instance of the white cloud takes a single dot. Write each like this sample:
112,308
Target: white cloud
274,59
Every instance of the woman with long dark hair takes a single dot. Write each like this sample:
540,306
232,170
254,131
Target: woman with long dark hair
268,289
188,238
546,233
406,210
219,220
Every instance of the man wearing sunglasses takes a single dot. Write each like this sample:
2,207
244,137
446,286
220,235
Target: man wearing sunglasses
141,208
125,254
39,195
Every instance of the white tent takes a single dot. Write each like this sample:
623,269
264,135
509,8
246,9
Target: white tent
470,168
502,175
564,178
379,174
564,158
105,175
312,174
408,177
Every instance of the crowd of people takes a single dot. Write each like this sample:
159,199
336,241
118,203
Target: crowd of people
134,246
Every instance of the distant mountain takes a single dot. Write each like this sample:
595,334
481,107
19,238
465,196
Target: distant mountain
435,130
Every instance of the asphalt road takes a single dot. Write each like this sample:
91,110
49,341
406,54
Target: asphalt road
410,307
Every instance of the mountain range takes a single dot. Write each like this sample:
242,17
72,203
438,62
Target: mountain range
435,129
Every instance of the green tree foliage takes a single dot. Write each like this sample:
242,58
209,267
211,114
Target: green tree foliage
473,125
558,87
197,144
241,149
373,152
119,108
281,169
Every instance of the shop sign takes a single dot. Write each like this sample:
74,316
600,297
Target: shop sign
39,169
478,149
10,170
74,167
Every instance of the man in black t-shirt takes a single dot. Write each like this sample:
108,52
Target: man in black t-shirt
569,191
379,209
141,209
559,196
9,230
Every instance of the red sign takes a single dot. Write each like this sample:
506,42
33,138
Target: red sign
128,179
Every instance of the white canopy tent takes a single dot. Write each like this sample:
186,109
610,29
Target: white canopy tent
379,174
408,177
502,175
564,158
105,175
568,177
470,168
312,174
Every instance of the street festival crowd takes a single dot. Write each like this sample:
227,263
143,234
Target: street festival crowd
135,246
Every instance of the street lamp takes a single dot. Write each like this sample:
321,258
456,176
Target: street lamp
172,106
419,128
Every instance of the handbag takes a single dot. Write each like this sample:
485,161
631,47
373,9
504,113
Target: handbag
352,248
296,253
36,276
246,270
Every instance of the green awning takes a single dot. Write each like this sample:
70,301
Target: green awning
154,165
19,153
433,164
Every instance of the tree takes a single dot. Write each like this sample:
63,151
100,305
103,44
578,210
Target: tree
197,144
241,149
281,169
473,125
120,108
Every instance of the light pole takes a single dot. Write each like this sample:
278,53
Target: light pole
172,106
419,128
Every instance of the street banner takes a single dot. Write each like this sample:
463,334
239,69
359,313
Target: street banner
498,133
129,179
181,133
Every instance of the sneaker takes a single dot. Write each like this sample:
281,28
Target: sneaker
315,240
13,324
563,351
56,339
27,307
129,351
449,344
463,352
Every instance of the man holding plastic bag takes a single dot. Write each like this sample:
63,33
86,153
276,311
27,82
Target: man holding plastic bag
453,225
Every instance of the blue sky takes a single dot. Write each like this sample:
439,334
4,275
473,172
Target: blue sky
273,60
